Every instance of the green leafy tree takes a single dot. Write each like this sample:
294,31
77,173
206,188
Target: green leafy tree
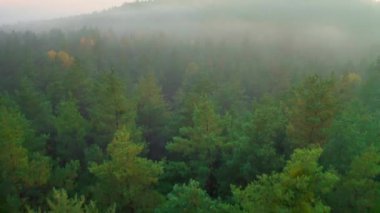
298,188
126,179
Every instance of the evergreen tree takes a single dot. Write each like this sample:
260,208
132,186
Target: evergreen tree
110,109
71,130
21,170
311,111
126,179
359,190
298,188
259,147
190,198
152,115
201,144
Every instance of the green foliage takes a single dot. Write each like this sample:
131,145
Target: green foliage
20,168
59,111
65,176
126,179
311,111
110,109
60,202
359,190
370,91
71,130
201,143
352,131
298,188
36,106
190,198
152,115
257,149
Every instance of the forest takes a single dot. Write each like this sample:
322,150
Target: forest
98,120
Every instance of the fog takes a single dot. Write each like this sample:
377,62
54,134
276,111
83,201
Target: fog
15,11
345,30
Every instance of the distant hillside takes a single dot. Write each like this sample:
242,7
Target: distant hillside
291,24
194,16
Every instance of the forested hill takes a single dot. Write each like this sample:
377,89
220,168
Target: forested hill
197,106
301,27
205,16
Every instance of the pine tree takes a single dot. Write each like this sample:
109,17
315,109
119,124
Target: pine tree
201,143
126,179
298,188
21,169
188,198
110,109
152,115
311,111
71,130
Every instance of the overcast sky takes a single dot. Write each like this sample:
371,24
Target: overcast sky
13,11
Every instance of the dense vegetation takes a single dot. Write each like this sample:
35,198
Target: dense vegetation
91,121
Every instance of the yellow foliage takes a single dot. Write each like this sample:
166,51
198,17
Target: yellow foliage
52,54
65,58
87,42
353,78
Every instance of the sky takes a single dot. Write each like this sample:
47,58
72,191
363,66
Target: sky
14,11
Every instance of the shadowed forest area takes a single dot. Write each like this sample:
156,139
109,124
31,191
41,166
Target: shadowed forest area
194,106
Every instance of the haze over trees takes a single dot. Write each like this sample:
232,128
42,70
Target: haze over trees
168,106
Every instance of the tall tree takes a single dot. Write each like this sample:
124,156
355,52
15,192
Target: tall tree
35,105
258,149
359,190
200,144
352,131
126,179
110,109
298,188
152,115
71,130
311,111
189,198
21,170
